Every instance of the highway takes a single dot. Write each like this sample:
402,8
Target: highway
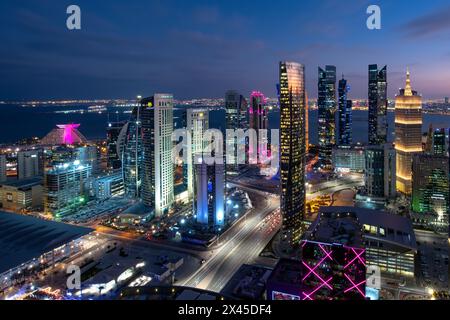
251,236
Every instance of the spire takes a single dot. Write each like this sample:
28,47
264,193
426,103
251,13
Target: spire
408,91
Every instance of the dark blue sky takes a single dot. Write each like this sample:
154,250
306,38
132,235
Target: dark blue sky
202,48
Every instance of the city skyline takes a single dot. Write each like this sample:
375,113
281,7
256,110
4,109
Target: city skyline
114,54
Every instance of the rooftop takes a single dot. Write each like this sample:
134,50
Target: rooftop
24,183
23,238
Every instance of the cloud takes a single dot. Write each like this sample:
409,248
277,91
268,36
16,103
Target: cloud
429,24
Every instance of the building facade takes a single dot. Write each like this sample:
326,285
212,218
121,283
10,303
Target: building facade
292,148
378,103
30,163
345,114
408,134
326,103
113,150
3,176
158,168
349,159
380,181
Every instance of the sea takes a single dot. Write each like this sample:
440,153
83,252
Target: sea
20,122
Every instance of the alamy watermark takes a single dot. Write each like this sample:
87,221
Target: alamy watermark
73,21
374,20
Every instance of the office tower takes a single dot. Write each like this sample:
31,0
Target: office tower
430,184
2,168
236,118
292,148
446,100
378,127
65,188
408,133
210,193
30,164
131,154
327,107
349,159
439,140
345,114
197,122
380,171
158,168
306,122
258,114
112,136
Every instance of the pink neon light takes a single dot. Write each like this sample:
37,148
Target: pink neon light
312,270
327,255
355,286
308,295
69,136
358,256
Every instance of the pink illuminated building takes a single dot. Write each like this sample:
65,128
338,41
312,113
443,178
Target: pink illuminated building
64,134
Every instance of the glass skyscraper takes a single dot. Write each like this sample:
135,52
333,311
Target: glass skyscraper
292,148
326,103
345,114
377,105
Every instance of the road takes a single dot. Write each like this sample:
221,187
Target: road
250,238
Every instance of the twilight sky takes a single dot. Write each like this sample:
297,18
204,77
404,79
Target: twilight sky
196,48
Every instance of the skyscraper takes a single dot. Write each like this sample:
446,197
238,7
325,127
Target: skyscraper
112,135
131,153
197,122
30,163
327,107
377,105
345,114
292,148
236,118
210,193
440,142
258,114
380,171
158,173
430,184
408,133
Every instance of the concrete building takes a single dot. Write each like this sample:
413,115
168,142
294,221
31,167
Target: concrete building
158,167
18,195
111,185
30,163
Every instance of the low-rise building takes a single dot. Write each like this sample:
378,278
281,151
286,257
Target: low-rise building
18,195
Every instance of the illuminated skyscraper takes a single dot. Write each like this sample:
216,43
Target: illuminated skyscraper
112,136
158,168
430,184
292,148
210,193
236,118
377,105
345,114
380,171
131,153
306,122
440,142
326,103
408,133
258,114
197,122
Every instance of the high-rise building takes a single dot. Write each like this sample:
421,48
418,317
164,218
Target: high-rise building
408,133
345,114
378,103
380,171
112,136
210,193
236,118
158,168
258,114
197,122
30,164
88,155
326,103
2,168
439,139
306,122
66,187
292,148
430,184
